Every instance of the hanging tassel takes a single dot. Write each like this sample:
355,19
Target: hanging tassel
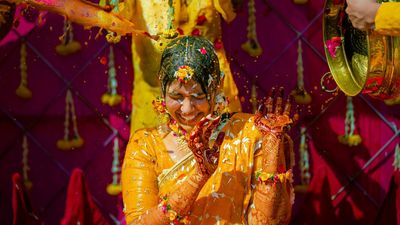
111,97
253,98
70,143
68,45
304,162
25,163
396,162
300,94
115,187
349,138
23,90
252,46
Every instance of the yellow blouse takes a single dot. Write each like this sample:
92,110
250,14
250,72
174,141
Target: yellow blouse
148,171
387,20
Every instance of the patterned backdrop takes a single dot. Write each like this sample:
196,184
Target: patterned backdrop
348,185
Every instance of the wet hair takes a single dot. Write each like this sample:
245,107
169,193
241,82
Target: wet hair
197,53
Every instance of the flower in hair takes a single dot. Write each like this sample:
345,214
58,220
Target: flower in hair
184,73
203,51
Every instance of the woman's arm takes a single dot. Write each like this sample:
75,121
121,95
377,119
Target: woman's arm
273,195
85,13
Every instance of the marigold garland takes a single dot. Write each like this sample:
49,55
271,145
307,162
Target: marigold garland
111,97
23,90
67,143
68,44
114,188
350,138
273,177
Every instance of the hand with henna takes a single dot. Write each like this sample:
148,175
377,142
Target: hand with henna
272,120
273,198
207,157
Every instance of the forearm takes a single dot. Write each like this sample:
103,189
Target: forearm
84,13
180,201
272,204
272,198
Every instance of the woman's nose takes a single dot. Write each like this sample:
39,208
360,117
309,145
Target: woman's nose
186,106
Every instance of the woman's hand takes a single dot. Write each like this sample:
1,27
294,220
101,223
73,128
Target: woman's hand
272,120
362,13
207,157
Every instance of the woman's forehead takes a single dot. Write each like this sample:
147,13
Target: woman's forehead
190,86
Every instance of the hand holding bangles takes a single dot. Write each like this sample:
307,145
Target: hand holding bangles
274,115
207,157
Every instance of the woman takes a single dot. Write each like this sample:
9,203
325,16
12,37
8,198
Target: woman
367,14
171,177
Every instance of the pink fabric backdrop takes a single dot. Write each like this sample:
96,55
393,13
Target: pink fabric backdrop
279,24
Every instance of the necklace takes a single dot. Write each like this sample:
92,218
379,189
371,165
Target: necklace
179,133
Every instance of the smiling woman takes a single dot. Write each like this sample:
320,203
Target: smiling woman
184,171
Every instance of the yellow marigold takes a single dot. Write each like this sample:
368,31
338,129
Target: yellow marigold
23,92
184,73
113,189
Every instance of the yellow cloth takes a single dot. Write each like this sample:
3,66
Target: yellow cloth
152,16
387,20
226,195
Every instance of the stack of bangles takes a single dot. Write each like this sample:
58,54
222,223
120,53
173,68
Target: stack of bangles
173,216
273,177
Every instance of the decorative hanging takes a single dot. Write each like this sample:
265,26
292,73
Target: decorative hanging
23,90
111,97
300,94
68,44
25,163
253,98
115,187
68,142
349,138
252,46
304,161
396,162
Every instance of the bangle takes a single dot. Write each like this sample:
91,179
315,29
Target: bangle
273,177
174,217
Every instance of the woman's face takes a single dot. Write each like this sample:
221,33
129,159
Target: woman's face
187,103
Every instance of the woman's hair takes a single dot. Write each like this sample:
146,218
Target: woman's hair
196,53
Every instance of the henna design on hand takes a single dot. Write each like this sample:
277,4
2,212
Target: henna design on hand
198,141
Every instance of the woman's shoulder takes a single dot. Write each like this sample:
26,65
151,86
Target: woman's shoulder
143,133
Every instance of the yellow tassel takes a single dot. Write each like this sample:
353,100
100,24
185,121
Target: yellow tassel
113,189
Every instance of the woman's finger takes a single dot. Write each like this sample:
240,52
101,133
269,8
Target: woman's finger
278,104
288,106
270,101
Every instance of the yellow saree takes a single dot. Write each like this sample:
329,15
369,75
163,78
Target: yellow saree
149,172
